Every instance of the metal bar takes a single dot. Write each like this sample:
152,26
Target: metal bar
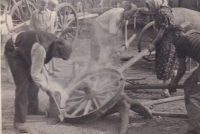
152,86
173,115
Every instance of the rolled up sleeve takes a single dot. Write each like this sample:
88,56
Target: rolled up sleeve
38,74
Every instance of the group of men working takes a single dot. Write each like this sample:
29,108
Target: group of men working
29,51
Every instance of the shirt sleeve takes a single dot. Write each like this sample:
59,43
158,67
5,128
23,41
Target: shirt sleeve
10,22
113,26
38,55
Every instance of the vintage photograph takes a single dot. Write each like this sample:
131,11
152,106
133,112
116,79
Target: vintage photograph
100,66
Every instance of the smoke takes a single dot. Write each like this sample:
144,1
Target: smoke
57,87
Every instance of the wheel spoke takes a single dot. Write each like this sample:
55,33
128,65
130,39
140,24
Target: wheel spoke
60,19
149,35
95,83
74,99
101,97
106,80
95,102
18,17
68,14
78,92
74,105
89,104
71,35
99,101
109,84
106,90
79,108
64,15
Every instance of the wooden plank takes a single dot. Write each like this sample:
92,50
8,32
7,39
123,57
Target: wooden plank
88,16
165,100
98,10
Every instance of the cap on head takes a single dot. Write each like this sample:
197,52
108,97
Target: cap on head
64,48
125,4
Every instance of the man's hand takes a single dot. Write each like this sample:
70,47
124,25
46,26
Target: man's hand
47,89
172,87
151,47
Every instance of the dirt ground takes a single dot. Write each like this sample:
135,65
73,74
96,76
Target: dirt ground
107,125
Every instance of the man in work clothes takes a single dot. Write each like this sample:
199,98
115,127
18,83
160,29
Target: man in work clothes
107,35
26,58
187,46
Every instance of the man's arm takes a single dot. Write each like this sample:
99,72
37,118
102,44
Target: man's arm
181,71
38,56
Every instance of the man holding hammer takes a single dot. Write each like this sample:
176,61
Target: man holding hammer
187,46
26,55
107,35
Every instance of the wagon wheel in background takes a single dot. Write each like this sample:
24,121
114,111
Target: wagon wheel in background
20,13
93,94
93,3
147,36
67,22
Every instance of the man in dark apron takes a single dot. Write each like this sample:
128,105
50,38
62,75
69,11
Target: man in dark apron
26,55
187,46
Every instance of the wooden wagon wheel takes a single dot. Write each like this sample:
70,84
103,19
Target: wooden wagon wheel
92,94
67,22
146,36
20,13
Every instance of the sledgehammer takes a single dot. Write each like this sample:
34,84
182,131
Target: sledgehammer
61,114
127,41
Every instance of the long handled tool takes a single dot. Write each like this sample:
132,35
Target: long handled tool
61,114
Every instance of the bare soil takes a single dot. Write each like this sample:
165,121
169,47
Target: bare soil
107,125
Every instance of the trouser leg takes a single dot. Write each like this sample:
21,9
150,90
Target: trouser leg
33,100
20,73
192,102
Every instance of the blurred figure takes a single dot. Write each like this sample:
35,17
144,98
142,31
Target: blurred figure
45,20
6,27
41,18
52,6
107,36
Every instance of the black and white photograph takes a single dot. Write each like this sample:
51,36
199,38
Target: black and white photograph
100,66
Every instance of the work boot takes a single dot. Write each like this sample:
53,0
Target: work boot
38,112
21,127
165,93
